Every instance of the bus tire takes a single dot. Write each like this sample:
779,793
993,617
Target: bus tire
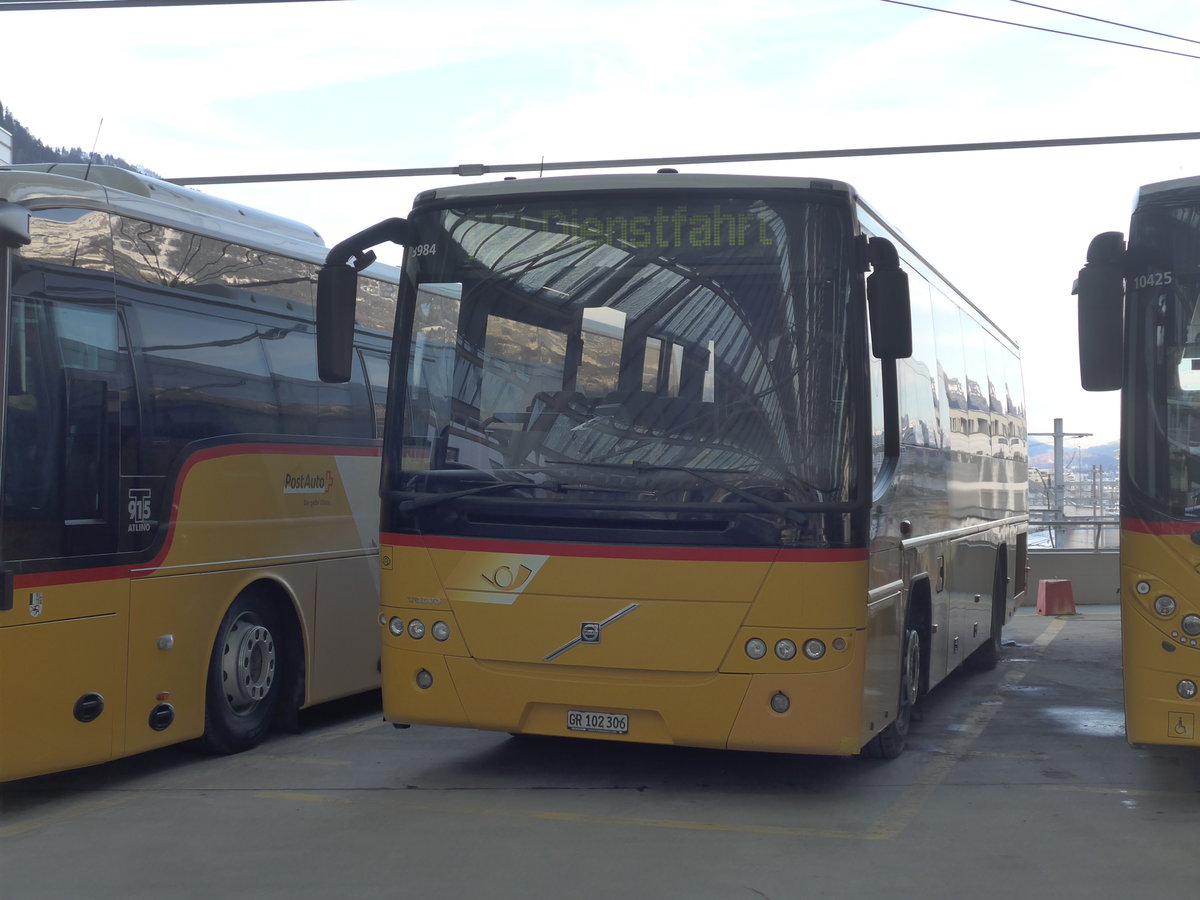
889,743
245,676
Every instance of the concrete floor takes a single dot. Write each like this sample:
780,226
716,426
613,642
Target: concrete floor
1017,783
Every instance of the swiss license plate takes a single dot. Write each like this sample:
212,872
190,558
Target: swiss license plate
599,722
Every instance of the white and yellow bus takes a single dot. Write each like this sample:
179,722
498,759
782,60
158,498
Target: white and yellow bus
188,529
1139,331
665,464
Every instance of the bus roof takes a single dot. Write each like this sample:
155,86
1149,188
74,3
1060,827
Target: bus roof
1175,185
665,180
119,190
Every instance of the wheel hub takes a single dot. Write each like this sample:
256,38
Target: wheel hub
248,664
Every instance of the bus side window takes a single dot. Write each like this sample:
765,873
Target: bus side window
377,367
308,405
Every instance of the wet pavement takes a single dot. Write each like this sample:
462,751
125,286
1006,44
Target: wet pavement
1017,783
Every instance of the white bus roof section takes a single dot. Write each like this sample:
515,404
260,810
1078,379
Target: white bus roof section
118,190
658,181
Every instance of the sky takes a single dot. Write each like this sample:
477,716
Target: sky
352,85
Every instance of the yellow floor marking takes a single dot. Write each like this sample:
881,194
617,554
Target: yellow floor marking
75,811
900,814
301,796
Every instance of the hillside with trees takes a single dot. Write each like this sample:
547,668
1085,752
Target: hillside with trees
28,149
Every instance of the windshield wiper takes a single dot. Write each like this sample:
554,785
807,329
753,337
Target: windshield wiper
423,501
706,475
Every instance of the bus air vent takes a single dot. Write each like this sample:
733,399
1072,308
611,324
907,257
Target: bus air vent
88,707
162,716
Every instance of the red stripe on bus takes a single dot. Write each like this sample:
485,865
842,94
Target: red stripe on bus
141,570
623,551
1141,526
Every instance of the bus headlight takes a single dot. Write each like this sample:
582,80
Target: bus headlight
1164,606
780,702
756,648
1186,689
814,649
416,629
440,631
1191,625
785,649
396,626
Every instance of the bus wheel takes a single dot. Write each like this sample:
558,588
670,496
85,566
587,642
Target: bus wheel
245,676
889,743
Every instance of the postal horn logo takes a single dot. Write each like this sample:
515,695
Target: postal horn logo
506,579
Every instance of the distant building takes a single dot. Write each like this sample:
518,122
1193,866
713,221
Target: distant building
6,156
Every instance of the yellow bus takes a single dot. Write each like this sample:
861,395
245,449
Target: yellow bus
666,465
1139,331
188,527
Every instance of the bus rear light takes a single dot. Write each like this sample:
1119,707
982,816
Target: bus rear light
396,626
1191,625
785,649
416,629
1186,689
440,631
814,649
424,679
780,702
756,648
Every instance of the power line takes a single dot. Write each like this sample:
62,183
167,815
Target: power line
475,169
28,5
1086,37
1067,12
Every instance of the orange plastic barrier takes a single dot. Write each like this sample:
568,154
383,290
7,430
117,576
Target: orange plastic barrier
1055,598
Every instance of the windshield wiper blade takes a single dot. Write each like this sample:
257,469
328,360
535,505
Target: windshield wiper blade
422,501
782,510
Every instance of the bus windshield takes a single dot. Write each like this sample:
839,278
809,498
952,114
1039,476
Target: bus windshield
663,351
1163,286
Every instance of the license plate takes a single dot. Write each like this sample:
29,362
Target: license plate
598,722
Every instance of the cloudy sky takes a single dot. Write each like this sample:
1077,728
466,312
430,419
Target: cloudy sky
382,84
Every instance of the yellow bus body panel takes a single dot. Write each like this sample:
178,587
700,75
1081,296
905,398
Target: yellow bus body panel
1156,654
73,647
670,652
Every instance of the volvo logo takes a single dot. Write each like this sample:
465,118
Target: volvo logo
589,632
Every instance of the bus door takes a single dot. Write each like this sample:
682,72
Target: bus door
63,636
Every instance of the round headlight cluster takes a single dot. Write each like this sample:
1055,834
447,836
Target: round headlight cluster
416,628
1191,625
1164,605
785,649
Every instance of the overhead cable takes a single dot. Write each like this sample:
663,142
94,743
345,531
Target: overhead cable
1067,12
476,169
1086,37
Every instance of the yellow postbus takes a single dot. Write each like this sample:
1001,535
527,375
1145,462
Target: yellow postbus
1139,331
188,527
706,460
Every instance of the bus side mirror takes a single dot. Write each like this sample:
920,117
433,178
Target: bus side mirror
888,303
1101,290
337,292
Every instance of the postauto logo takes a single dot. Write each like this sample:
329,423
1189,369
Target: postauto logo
308,482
